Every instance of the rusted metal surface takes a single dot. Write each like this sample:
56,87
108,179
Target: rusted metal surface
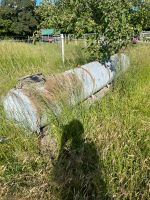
29,102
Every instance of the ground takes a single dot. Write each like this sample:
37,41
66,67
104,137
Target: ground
97,152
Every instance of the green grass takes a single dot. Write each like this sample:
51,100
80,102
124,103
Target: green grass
96,152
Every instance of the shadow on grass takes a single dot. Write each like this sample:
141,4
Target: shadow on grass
78,168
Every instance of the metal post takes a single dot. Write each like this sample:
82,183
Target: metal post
62,47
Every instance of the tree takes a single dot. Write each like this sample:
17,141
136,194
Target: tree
114,22
5,22
146,13
18,17
47,11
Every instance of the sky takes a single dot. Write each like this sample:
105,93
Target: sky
38,1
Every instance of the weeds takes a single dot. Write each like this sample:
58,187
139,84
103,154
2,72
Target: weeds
96,152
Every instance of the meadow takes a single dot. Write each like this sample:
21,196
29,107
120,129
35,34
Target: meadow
107,144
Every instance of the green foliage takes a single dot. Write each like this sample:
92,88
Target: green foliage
45,12
114,22
17,17
5,22
146,23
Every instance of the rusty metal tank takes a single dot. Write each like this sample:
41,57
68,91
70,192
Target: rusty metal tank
34,96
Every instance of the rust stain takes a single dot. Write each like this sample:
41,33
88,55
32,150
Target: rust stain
62,86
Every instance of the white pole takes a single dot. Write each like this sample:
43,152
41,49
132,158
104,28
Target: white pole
62,47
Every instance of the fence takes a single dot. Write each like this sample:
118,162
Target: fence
145,36
66,38
63,39
15,38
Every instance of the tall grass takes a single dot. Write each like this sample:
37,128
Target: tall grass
20,59
96,152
